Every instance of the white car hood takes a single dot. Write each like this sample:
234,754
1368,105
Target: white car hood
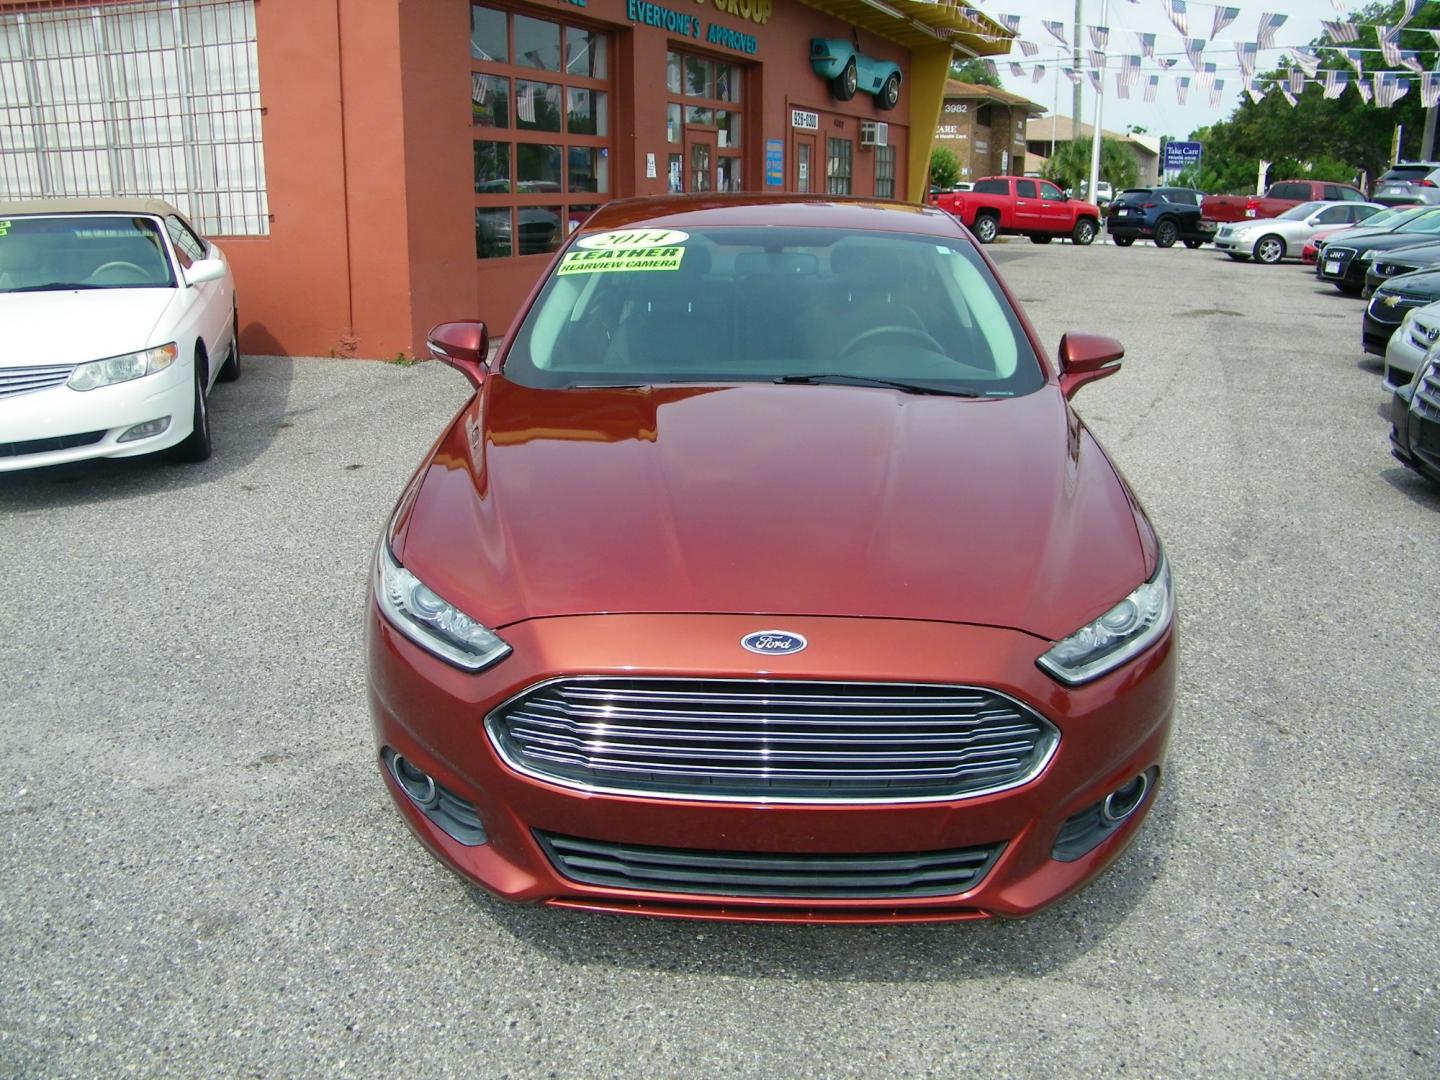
38,328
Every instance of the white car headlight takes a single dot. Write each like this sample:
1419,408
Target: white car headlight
432,623
1123,632
118,369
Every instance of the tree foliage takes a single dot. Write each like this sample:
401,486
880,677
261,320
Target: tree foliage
974,71
1320,139
1069,166
944,168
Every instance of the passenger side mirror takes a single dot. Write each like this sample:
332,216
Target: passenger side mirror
465,346
1084,358
203,270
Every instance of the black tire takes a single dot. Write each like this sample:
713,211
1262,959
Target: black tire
889,95
1084,234
196,446
844,85
987,228
1237,256
1269,249
1040,238
1166,233
1194,245
1123,241
230,370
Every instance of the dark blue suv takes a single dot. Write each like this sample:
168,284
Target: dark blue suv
1162,214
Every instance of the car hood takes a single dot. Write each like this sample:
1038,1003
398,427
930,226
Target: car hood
38,328
1420,254
1387,241
1417,283
773,500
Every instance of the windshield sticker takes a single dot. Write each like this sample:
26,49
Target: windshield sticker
630,239
4,227
601,262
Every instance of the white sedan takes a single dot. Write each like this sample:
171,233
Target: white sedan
116,319
1269,240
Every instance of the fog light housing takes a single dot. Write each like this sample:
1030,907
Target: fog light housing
1082,833
147,430
454,816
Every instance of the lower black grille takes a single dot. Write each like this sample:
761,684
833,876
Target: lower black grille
746,873
46,446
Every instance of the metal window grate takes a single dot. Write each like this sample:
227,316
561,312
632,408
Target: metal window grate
151,98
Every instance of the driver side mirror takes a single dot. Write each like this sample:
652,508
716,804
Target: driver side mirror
203,270
1084,358
464,346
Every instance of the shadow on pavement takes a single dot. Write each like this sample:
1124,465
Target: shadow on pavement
245,417
881,954
1413,486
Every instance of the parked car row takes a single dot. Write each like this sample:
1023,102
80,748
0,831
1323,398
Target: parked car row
1392,258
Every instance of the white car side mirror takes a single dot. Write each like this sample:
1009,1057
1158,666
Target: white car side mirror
203,270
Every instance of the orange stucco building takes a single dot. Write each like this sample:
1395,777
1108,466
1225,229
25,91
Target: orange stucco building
422,159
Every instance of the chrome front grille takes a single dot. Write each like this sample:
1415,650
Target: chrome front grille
783,740
763,873
23,380
1426,401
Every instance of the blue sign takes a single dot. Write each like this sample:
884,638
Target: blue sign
1179,156
774,162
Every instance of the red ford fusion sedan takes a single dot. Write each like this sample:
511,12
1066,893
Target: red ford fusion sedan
769,575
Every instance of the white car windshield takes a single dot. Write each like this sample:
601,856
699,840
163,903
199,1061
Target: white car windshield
1301,212
72,251
739,304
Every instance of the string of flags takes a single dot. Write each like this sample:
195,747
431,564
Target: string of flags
1404,67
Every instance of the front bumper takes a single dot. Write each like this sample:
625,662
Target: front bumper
1375,333
34,423
1415,434
1403,357
433,714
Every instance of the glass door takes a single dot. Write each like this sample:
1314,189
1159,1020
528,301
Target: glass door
700,148
804,178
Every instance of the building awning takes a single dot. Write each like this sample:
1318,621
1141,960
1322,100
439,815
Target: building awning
923,23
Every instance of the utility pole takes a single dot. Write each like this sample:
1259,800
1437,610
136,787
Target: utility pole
1093,191
1079,72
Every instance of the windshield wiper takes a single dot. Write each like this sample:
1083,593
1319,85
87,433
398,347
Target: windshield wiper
865,380
54,286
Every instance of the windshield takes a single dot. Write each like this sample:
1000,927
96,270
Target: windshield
1395,217
1301,212
1425,222
764,304
39,254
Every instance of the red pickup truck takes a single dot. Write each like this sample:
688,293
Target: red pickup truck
1217,209
1021,205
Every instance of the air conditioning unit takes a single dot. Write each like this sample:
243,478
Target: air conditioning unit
874,133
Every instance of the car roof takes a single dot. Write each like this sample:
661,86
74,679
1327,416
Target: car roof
801,211
86,205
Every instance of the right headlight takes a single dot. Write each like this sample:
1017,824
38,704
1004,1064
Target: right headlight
118,369
432,623
1123,632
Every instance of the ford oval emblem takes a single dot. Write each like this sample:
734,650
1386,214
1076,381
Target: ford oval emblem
773,642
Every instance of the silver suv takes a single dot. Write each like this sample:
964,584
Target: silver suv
1409,182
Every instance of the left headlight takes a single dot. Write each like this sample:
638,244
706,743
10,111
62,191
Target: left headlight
1123,632
431,622
118,369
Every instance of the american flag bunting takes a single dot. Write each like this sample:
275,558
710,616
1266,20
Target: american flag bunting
1245,52
1182,88
1265,35
1215,92
1029,48
1430,89
1340,33
1224,16
1389,45
1175,12
1193,48
1057,30
1152,85
1099,36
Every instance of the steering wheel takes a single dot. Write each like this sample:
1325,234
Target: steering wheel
120,264
893,331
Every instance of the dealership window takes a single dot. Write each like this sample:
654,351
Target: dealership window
145,98
885,172
702,123
839,163
540,96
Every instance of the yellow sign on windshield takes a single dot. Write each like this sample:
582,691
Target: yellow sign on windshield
602,262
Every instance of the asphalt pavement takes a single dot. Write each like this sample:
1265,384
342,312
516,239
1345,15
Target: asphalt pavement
201,875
